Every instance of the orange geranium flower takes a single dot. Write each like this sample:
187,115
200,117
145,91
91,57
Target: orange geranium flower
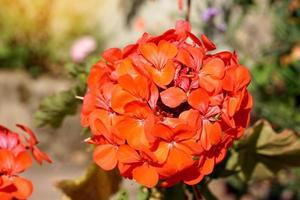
166,109
15,159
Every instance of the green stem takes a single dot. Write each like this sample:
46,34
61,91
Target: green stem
188,11
197,193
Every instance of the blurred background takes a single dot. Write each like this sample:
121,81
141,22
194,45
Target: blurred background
48,47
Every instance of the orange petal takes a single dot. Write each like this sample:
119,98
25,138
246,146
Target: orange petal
145,175
243,76
210,84
126,154
98,73
6,196
183,132
162,131
185,58
164,76
150,52
215,68
7,160
106,156
199,100
23,161
133,130
232,105
23,186
208,166
120,98
166,49
190,147
153,96
211,134
162,152
192,118
138,86
176,162
126,67
173,97
137,109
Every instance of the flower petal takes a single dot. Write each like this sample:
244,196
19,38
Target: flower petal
164,76
145,175
215,68
105,156
126,154
22,162
112,54
173,97
209,45
199,100
23,186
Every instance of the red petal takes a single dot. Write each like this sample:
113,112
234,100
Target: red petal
112,54
40,156
209,45
32,138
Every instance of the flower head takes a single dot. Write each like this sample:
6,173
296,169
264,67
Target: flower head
14,159
166,108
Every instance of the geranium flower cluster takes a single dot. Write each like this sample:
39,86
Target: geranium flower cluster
14,159
166,108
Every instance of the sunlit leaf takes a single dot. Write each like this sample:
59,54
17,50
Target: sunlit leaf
262,152
96,184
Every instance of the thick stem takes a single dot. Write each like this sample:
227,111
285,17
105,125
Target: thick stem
197,193
188,11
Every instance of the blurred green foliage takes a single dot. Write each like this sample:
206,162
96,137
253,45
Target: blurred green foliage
36,35
275,85
53,109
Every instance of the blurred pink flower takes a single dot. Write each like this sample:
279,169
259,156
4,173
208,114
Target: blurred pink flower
82,47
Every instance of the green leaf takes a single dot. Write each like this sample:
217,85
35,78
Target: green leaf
262,152
123,195
96,184
143,193
53,109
